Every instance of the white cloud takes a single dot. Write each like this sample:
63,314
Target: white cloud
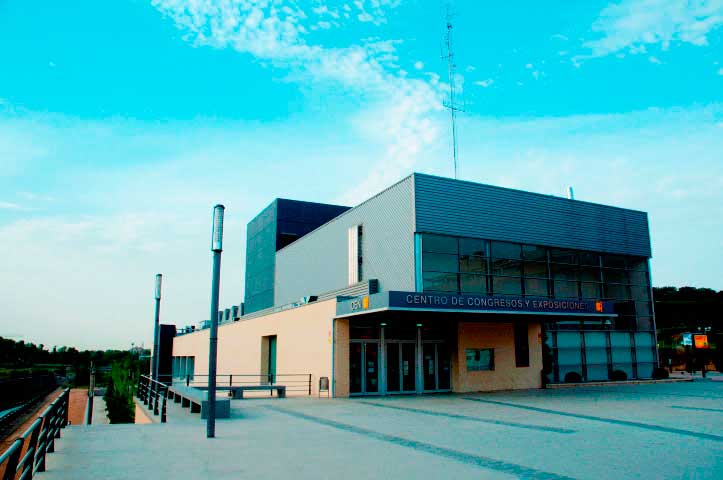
632,24
279,36
720,71
419,65
9,206
485,83
528,66
655,60
559,36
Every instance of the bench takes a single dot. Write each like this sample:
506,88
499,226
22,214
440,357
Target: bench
197,400
238,392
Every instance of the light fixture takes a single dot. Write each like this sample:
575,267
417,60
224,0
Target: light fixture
419,324
383,324
217,232
159,277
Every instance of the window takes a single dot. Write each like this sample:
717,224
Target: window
439,244
355,254
480,359
506,286
506,267
522,345
506,250
439,262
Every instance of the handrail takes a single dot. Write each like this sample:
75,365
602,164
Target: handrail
37,441
294,382
149,391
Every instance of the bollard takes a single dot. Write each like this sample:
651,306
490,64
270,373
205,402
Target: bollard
155,402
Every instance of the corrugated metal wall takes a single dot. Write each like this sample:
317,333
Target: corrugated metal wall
317,262
467,209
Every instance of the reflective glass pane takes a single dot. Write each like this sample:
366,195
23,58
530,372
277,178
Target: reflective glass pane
638,278
502,266
563,289
563,256
589,274
440,282
472,246
472,264
564,272
536,287
371,358
611,275
587,258
506,250
640,293
638,263
536,269
429,362
506,286
645,324
409,370
439,244
355,368
642,309
616,261
439,262
473,283
616,291
393,368
533,252
591,290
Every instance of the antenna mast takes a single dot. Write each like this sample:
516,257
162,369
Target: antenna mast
451,105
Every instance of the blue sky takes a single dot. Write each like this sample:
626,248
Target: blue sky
122,123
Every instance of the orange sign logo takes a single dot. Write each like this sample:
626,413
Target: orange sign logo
599,306
365,303
700,341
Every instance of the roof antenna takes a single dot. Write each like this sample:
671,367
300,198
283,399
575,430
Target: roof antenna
570,193
451,104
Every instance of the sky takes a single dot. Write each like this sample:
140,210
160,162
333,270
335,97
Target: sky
122,123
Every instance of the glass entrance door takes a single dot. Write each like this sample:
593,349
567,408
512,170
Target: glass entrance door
436,366
363,368
401,367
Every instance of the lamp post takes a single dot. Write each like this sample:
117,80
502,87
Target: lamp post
156,329
216,248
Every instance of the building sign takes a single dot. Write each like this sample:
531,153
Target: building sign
700,341
687,340
430,301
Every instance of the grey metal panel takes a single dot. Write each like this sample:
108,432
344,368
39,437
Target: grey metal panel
461,208
317,262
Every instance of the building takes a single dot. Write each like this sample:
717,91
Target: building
438,285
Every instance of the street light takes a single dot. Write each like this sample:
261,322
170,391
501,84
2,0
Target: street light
216,248
156,329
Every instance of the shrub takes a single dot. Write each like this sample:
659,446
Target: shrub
660,373
618,376
573,377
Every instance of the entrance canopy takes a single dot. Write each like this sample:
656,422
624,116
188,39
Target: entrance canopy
471,304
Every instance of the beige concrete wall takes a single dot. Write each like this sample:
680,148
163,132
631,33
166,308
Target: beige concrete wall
341,358
505,376
303,345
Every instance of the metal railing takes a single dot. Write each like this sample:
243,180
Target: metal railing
26,455
150,392
294,382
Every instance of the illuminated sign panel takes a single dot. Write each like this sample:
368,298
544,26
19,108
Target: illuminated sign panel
700,341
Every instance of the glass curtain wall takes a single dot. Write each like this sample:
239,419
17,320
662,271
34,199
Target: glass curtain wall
487,267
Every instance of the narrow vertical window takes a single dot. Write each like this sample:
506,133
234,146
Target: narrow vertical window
355,254
522,345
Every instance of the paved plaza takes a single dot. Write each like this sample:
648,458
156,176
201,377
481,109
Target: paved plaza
671,430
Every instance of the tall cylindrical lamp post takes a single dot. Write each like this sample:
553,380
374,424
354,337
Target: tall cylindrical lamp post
216,248
157,329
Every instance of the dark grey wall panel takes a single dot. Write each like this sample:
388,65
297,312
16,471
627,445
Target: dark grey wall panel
318,262
460,208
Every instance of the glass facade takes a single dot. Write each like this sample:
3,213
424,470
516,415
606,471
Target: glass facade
582,349
474,266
